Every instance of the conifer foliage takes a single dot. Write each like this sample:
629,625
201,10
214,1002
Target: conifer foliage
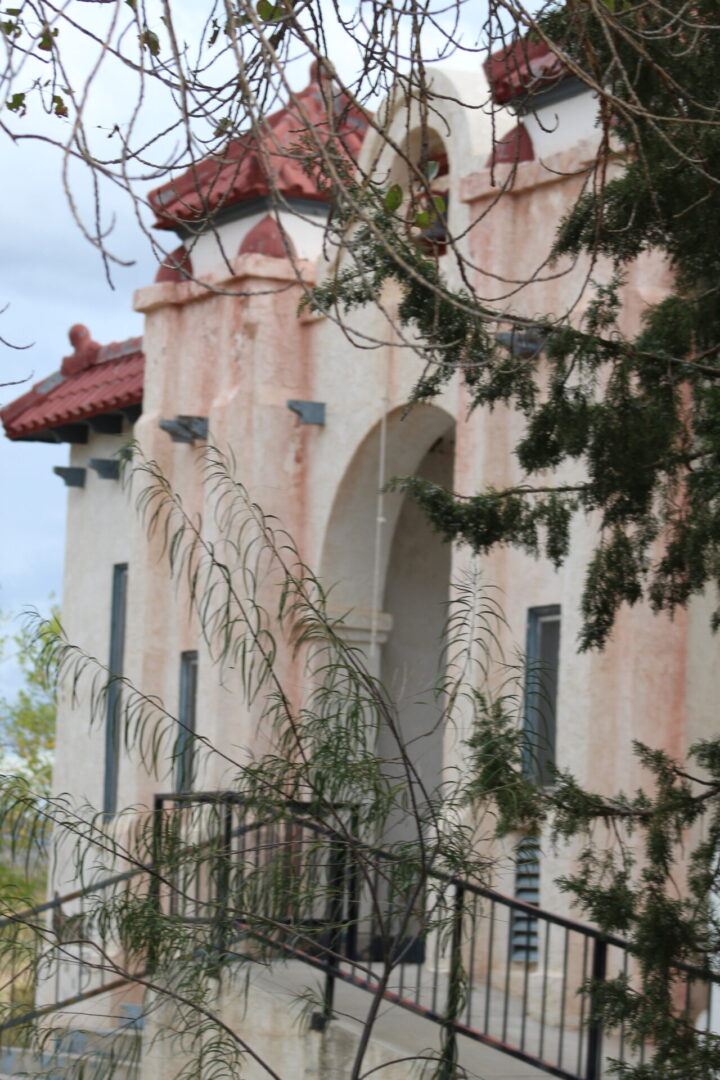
640,416
636,875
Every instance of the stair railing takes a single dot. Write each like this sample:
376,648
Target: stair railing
465,977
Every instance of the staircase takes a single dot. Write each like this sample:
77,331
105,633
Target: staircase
507,977
91,1055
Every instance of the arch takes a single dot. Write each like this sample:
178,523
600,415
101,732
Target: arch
415,565
412,150
459,120
415,597
348,553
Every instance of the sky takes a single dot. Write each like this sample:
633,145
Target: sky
51,277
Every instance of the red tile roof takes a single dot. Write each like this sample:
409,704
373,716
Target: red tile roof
525,67
271,151
94,379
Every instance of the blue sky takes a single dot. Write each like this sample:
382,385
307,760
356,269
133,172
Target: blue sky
52,277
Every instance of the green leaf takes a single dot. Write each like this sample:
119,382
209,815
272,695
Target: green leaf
46,39
439,204
270,12
151,41
423,219
59,106
393,198
433,169
17,104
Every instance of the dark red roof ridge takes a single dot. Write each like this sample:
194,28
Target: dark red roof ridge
522,68
116,350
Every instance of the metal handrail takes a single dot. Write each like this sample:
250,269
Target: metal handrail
340,953
77,894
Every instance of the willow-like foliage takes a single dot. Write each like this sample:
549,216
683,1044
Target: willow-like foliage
178,900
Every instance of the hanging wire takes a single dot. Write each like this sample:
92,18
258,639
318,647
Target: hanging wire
380,521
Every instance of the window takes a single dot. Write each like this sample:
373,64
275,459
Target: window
524,938
435,235
114,694
185,744
543,656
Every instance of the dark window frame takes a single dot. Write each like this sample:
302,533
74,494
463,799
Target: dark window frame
541,701
184,755
113,703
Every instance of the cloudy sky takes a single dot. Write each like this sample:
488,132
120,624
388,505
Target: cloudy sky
51,277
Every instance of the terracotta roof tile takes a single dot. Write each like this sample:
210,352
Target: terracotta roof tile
243,169
95,379
525,67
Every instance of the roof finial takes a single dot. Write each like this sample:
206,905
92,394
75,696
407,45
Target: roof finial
86,350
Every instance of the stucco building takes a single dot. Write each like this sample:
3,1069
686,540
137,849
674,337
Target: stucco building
315,424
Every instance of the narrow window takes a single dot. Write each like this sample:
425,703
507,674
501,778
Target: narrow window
543,656
114,694
185,745
524,942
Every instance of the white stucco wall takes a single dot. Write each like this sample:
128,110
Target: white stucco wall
238,354
97,539
217,246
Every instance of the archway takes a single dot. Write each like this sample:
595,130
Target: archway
401,635
415,597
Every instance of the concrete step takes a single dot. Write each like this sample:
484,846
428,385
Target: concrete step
15,1062
93,1055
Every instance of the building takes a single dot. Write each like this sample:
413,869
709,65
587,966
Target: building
315,421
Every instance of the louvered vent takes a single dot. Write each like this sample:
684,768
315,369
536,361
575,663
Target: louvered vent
527,889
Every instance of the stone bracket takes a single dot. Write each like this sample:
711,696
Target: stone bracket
71,477
106,468
310,412
186,429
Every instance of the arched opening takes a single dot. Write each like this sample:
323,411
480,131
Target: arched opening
415,597
392,584
423,172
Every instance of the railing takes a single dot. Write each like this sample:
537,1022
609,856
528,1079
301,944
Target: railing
56,933
286,883
361,919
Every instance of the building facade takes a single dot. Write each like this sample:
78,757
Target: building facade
313,413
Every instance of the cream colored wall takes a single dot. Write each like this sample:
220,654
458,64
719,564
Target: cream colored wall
559,126
635,688
237,361
237,354
217,246
96,540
